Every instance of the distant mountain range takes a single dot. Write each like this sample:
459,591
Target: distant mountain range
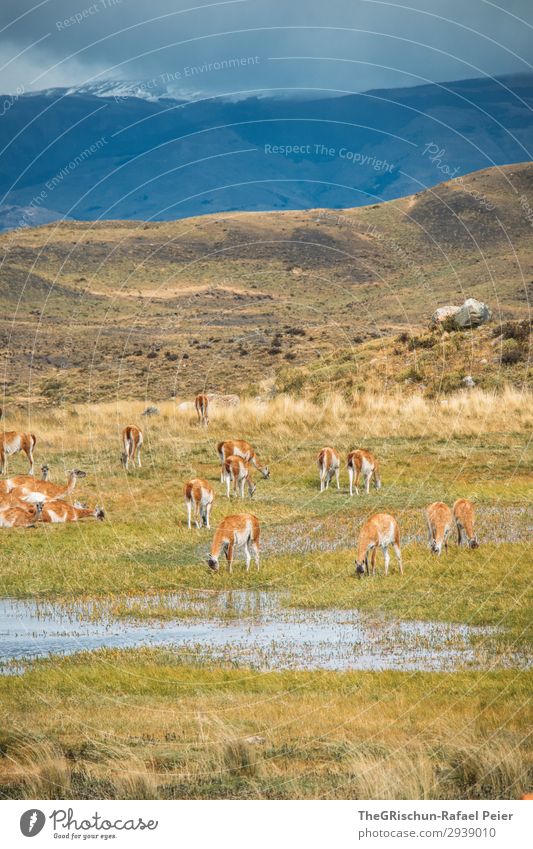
132,151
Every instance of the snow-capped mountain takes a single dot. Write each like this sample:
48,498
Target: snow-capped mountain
134,150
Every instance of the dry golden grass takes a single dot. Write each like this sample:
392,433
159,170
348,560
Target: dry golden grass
139,724
373,414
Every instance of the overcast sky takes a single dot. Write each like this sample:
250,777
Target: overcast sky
281,45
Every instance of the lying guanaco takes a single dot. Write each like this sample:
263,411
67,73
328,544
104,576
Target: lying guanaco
439,520
328,465
132,440
463,511
60,512
237,470
235,530
380,531
11,441
9,484
35,490
20,516
364,463
201,404
239,448
199,497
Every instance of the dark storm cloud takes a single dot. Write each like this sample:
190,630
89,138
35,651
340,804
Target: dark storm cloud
247,45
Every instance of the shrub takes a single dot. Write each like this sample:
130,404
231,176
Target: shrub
426,341
511,352
519,330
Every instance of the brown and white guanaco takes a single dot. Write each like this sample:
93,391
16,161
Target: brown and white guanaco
59,512
132,440
464,514
10,484
239,448
11,442
237,471
439,521
20,516
199,497
329,464
38,490
242,529
361,462
201,405
380,531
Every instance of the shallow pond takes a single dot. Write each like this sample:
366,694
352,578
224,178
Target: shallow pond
243,628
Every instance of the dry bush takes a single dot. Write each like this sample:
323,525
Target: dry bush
402,774
43,771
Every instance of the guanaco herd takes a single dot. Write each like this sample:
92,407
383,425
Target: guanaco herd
25,500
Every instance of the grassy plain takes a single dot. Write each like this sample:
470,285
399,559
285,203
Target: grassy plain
155,723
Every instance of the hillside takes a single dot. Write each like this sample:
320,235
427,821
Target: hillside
137,310
74,153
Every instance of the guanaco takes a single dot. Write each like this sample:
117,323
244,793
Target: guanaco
239,448
237,470
9,484
439,520
199,497
380,530
235,530
201,404
364,463
132,440
60,512
11,442
328,466
36,490
20,516
464,514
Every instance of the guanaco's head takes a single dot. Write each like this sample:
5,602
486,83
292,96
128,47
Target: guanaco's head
77,473
45,472
360,568
436,547
265,471
99,514
473,543
212,562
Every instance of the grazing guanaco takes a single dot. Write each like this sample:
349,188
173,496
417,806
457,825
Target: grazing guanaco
239,448
464,514
36,490
201,404
11,441
439,520
132,440
9,484
237,470
199,496
364,463
60,512
20,516
380,531
328,465
235,530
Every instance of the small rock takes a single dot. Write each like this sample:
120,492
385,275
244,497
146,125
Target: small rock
151,411
469,381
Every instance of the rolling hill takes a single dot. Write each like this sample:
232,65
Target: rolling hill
94,310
